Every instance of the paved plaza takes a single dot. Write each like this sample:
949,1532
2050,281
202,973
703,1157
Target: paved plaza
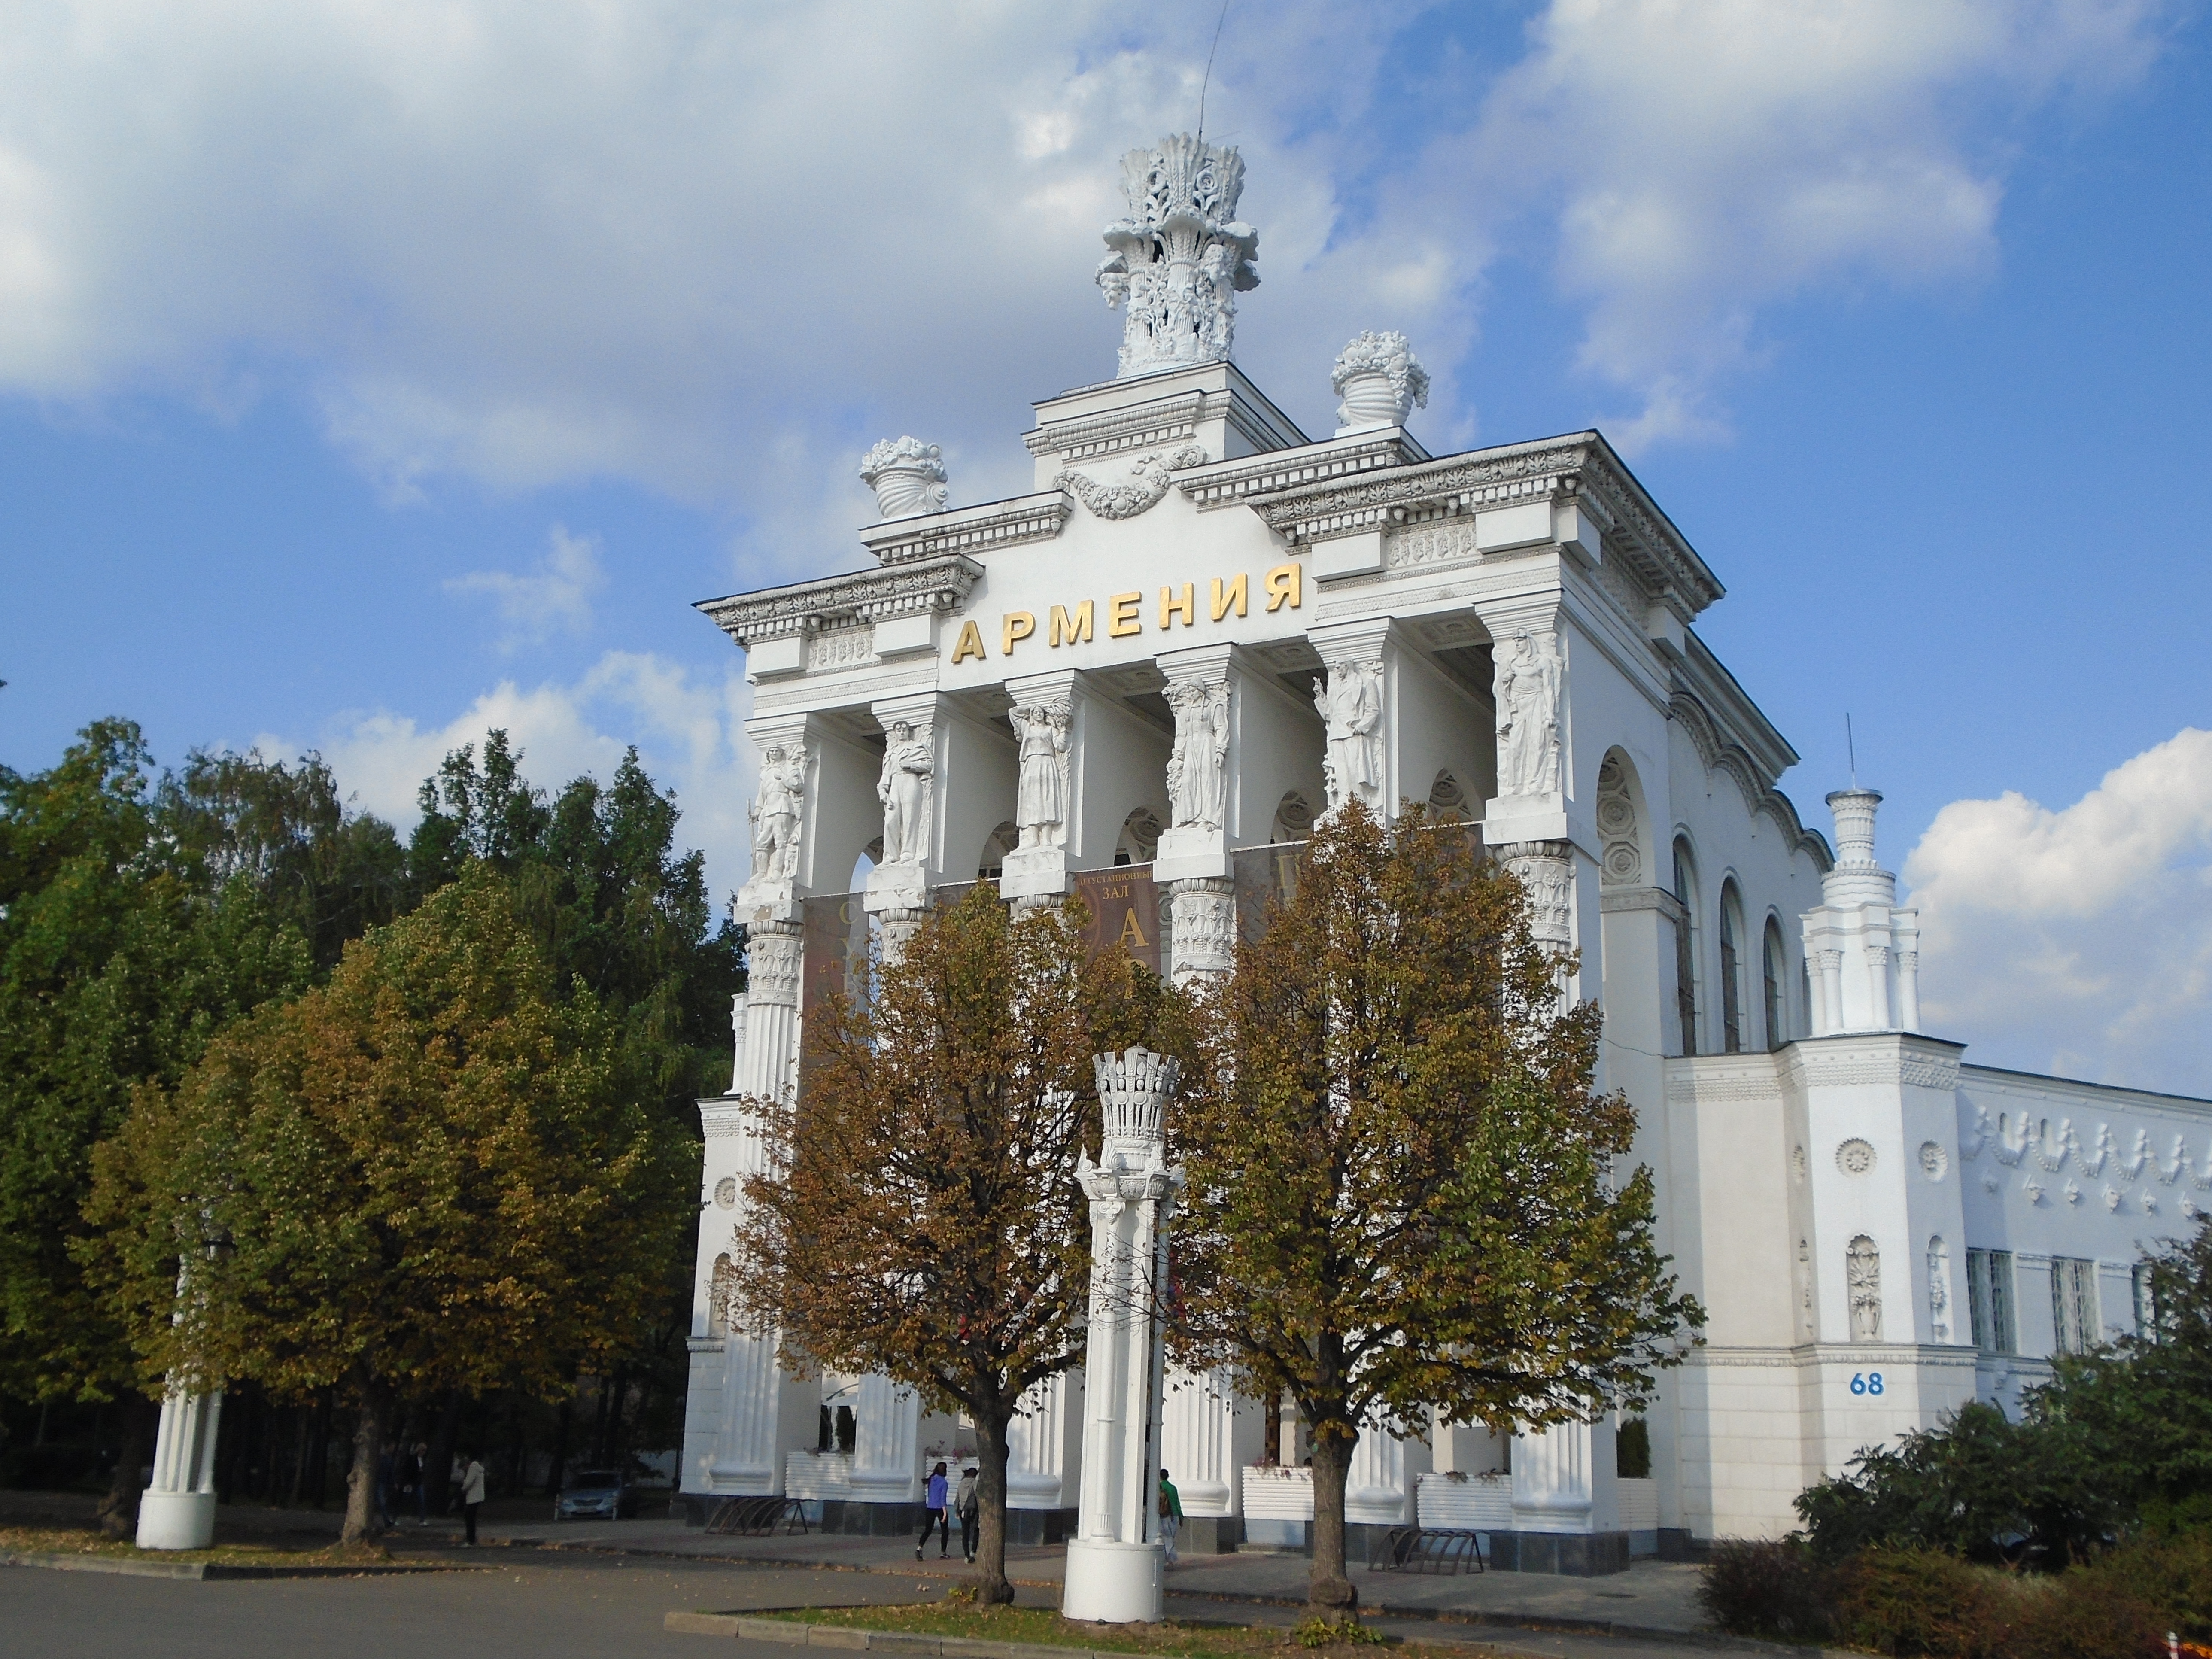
547,1591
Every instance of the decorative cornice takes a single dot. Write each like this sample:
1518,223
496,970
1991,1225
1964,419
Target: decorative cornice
970,530
868,596
1580,466
1169,420
1612,900
1228,483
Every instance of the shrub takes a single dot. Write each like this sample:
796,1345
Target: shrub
1633,1450
1920,1604
1771,1589
2079,1616
2171,1577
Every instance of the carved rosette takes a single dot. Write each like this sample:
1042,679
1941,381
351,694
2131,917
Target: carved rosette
1180,257
1203,936
1547,870
908,477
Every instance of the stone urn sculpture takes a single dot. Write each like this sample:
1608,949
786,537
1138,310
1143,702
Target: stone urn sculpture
1377,380
908,477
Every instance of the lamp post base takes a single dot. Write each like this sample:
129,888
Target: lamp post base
175,1519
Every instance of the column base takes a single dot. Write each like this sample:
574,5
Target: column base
176,1520
1112,1583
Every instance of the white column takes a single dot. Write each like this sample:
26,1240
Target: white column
1551,1479
887,1444
1114,1562
176,1512
1044,1445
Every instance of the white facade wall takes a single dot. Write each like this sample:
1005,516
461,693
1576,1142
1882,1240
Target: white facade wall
1819,1194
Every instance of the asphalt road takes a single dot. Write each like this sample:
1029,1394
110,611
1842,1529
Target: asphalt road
532,1605
544,1606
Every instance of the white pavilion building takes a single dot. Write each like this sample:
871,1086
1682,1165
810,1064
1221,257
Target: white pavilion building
1144,680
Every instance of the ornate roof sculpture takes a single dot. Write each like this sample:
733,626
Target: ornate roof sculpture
1181,256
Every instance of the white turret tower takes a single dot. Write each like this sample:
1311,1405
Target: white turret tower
1862,952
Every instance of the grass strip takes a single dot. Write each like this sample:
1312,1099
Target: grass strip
78,1541
1172,1638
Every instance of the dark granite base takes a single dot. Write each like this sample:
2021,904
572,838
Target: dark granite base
1570,1554
1209,1534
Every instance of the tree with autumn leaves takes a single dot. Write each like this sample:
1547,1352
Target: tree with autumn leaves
918,1216
426,1174
1403,1192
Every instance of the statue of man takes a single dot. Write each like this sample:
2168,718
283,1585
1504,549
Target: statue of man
903,789
1195,767
775,812
1041,800
1351,703
1527,686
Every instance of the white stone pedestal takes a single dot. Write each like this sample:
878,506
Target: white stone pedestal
176,1512
1114,1584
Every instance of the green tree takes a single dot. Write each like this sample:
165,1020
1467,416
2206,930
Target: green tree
1402,1191
919,1216
123,947
425,1174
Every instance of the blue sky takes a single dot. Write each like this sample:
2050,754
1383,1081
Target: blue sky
369,375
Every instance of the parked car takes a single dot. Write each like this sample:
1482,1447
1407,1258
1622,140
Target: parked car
595,1495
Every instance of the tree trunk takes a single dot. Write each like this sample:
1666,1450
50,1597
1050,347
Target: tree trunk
118,1511
991,1448
1330,1591
1271,1430
557,1469
363,1520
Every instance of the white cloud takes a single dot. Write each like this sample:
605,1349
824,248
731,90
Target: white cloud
557,595
1698,160
717,247
2078,941
688,730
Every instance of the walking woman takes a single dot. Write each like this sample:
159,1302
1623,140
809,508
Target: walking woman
933,1516
968,1505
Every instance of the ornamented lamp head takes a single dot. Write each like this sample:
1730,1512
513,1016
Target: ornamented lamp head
1181,256
1380,380
908,477
1132,1092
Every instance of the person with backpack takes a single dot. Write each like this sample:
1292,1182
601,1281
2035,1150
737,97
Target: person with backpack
968,1505
1170,1514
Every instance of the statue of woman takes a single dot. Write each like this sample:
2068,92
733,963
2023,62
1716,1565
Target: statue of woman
1040,802
1195,769
1528,692
1350,702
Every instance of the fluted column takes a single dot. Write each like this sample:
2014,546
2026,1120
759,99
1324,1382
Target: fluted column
177,1511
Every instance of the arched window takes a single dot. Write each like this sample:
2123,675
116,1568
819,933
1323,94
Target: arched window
992,862
1686,957
1731,972
1778,1022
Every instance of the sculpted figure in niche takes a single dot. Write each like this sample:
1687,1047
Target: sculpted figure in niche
1527,691
904,788
1350,702
1862,1277
1197,767
1040,802
775,812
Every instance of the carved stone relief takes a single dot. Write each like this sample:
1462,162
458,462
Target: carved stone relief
1862,1275
1938,1290
1149,474
1380,382
1351,704
1621,859
1040,802
908,477
906,787
1546,869
777,804
1528,693
1198,767
1855,1157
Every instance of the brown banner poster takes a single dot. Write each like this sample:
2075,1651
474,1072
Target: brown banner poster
1264,875
1125,912
834,935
